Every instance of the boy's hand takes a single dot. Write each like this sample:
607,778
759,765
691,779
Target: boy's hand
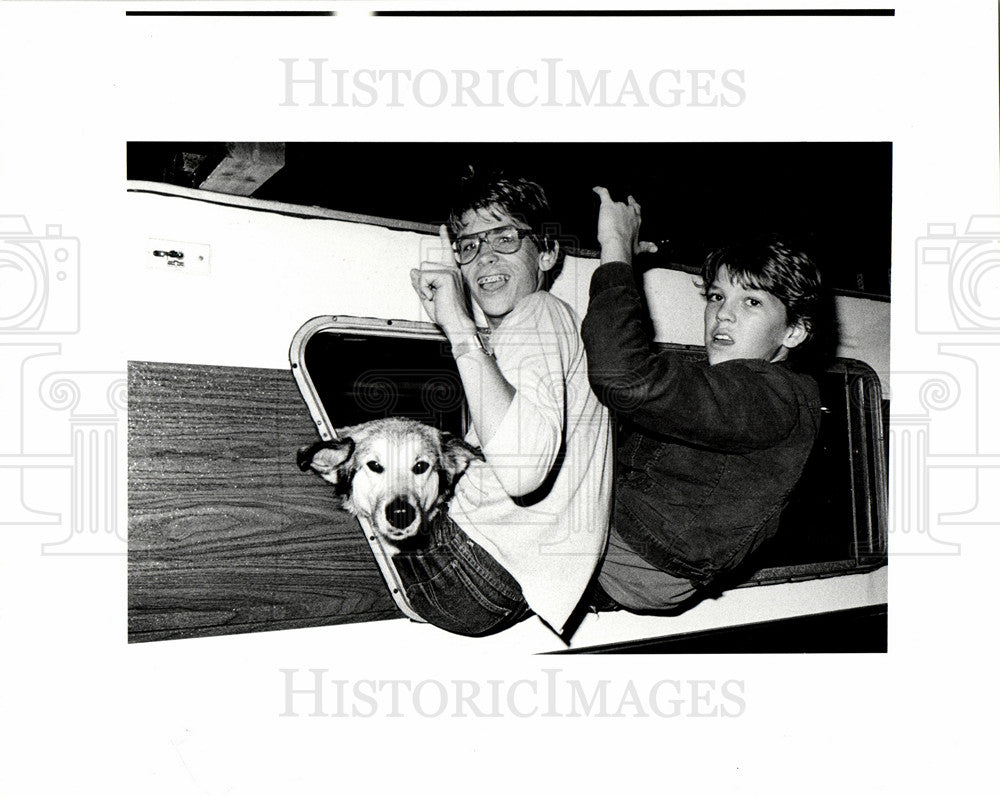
618,229
442,292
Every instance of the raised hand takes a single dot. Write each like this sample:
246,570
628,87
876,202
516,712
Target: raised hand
618,229
442,292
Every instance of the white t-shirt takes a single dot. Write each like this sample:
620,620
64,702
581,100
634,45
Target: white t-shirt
540,503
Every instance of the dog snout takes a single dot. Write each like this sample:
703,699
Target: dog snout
400,513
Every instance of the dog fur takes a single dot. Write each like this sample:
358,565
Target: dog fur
394,472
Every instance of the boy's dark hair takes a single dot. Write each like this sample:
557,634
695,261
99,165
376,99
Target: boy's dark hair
520,198
771,264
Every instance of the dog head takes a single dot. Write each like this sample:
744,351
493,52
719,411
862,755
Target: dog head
396,473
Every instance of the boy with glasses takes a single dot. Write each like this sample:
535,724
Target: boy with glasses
527,526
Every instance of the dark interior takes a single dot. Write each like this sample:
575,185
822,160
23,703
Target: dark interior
363,377
834,199
836,511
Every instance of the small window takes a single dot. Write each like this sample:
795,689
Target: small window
835,521
361,370
351,370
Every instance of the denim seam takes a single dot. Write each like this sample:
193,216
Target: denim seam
461,551
476,593
460,546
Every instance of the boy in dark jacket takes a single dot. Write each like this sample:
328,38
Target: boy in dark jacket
708,452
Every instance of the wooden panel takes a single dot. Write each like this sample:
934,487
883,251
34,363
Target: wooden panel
226,535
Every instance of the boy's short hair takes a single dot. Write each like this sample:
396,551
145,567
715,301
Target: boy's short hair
520,198
771,264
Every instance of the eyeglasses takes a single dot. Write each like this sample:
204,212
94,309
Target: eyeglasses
503,240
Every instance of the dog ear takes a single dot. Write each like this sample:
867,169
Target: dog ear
327,459
456,455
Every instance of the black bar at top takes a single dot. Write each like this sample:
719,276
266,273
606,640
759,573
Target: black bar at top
753,12
229,13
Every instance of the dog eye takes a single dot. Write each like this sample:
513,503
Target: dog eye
420,467
375,467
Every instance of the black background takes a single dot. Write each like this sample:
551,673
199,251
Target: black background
833,199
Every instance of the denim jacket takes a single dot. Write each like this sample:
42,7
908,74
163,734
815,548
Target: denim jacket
706,455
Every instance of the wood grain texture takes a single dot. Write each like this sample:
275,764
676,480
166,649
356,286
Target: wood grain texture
226,535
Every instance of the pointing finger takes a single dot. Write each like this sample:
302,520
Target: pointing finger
448,258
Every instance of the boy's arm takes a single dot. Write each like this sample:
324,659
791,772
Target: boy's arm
534,347
615,332
623,364
520,428
487,391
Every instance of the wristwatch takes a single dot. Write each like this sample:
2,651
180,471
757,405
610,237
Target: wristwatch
468,343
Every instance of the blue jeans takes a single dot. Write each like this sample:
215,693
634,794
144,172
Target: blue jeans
456,585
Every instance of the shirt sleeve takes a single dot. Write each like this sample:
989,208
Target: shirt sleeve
533,348
734,406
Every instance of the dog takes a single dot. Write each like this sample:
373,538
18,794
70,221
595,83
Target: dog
396,473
